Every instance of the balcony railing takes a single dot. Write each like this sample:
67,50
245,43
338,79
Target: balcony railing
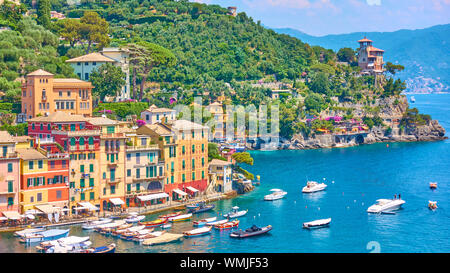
142,147
8,155
7,192
116,180
77,133
143,179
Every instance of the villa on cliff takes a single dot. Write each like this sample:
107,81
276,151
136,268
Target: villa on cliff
370,58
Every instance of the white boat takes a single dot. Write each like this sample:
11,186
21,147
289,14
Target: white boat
317,223
94,224
165,226
183,217
198,231
386,205
67,241
275,195
217,222
48,235
110,225
23,232
312,186
202,222
74,248
235,213
134,219
151,234
412,99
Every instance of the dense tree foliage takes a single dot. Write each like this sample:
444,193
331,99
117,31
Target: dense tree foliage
107,80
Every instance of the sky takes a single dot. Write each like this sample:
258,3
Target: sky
322,17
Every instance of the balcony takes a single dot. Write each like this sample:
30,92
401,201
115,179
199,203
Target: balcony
76,133
145,179
111,164
8,155
143,147
115,181
58,155
8,193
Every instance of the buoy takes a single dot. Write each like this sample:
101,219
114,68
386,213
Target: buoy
387,145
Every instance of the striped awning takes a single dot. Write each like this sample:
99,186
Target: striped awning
47,209
116,201
11,215
192,189
180,192
153,196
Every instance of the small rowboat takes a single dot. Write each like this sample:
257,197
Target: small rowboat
156,223
166,216
432,205
179,218
202,208
119,230
317,223
227,225
253,231
217,222
433,185
198,232
102,249
203,222
149,235
130,235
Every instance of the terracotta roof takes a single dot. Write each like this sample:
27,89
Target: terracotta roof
68,80
92,57
159,129
364,40
101,121
185,125
30,154
218,162
22,138
58,117
154,109
375,49
5,137
40,72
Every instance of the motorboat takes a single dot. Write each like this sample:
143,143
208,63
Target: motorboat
433,185
66,242
119,230
203,222
156,223
216,222
166,216
130,233
151,234
317,223
252,231
24,232
109,227
432,205
128,230
182,217
134,218
235,213
102,249
198,232
412,99
227,225
94,224
275,195
386,205
74,248
312,186
195,205
202,208
47,235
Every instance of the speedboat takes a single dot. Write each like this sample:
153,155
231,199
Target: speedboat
203,222
412,99
48,235
433,185
202,208
183,217
386,205
23,232
195,205
67,242
432,205
134,218
317,223
252,231
94,224
275,195
235,213
217,222
312,186
198,231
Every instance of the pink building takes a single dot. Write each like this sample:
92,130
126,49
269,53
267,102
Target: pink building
9,174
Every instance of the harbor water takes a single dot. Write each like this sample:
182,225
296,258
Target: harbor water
356,178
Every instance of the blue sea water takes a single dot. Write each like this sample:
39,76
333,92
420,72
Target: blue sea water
356,178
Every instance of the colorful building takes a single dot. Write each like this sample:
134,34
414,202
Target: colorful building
370,59
184,149
154,115
44,179
43,94
144,172
224,174
9,174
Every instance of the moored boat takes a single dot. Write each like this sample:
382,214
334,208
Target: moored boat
66,242
134,219
433,185
167,216
195,205
156,223
203,222
51,234
182,217
235,213
252,231
317,223
198,232
275,195
218,222
102,249
432,205
386,205
227,225
94,224
166,226
202,208
313,186
23,232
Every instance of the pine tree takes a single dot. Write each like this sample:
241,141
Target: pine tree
43,13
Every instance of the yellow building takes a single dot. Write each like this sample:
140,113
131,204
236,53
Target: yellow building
111,162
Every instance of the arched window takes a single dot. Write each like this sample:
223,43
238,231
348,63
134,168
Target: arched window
72,141
81,140
91,140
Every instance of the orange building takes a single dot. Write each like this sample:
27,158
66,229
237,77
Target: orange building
370,58
42,94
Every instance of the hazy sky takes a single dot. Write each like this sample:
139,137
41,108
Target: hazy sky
321,17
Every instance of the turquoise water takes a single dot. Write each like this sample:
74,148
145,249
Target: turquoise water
361,175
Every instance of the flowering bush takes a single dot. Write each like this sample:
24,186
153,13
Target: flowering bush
140,122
